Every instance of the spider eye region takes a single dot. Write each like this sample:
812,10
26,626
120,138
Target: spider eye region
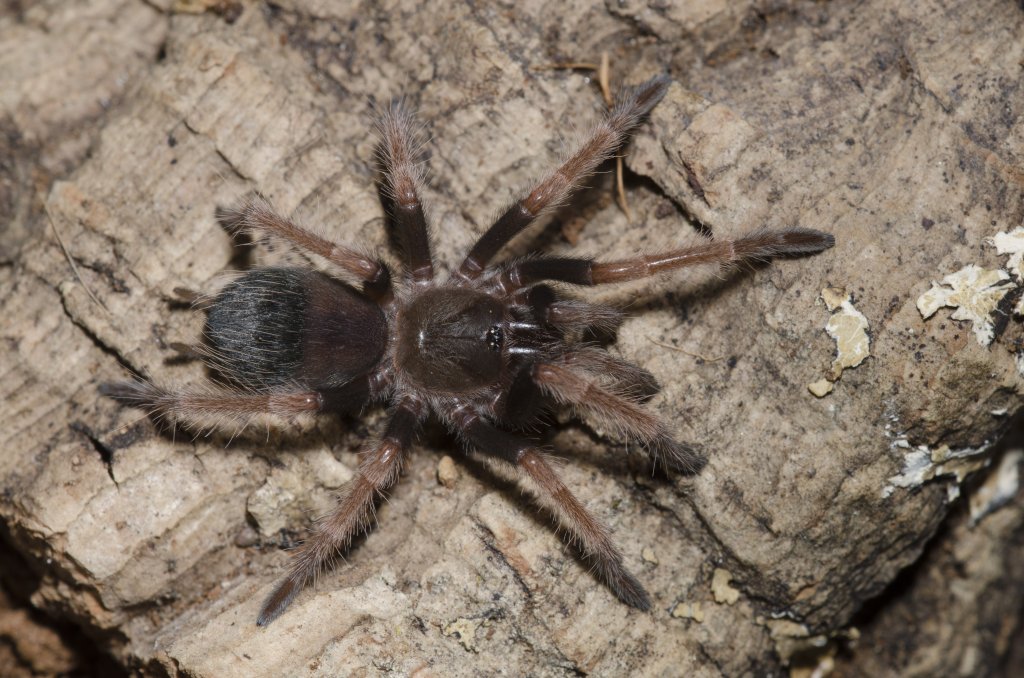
495,338
451,340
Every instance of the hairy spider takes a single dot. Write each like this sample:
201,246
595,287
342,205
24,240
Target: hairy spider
486,350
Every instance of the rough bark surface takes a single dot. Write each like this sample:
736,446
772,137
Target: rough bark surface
893,125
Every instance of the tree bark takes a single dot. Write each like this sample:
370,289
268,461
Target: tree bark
894,126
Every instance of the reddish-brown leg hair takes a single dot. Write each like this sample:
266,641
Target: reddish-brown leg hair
257,215
402,181
621,412
210,406
628,379
590,533
586,530
213,405
601,142
378,470
572,315
758,246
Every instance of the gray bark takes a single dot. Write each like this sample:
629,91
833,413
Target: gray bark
893,125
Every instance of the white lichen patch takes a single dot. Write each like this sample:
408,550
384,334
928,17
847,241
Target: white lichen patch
1012,243
649,555
849,328
922,464
694,611
464,631
999,488
975,292
720,588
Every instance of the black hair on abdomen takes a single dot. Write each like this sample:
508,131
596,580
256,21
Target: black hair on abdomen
276,326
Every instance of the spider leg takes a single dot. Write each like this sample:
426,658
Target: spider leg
378,470
587,531
572,315
567,315
619,411
211,406
256,214
402,180
197,300
188,351
627,377
525,400
606,137
760,245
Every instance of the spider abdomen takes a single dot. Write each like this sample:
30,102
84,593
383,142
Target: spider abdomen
276,326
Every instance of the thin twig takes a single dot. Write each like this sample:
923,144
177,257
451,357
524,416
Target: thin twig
71,261
620,189
604,78
567,66
684,351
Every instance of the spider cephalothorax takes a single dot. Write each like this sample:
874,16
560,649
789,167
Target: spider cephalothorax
484,350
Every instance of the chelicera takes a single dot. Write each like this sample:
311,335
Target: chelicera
486,350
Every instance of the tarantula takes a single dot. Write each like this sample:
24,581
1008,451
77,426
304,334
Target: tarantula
487,350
